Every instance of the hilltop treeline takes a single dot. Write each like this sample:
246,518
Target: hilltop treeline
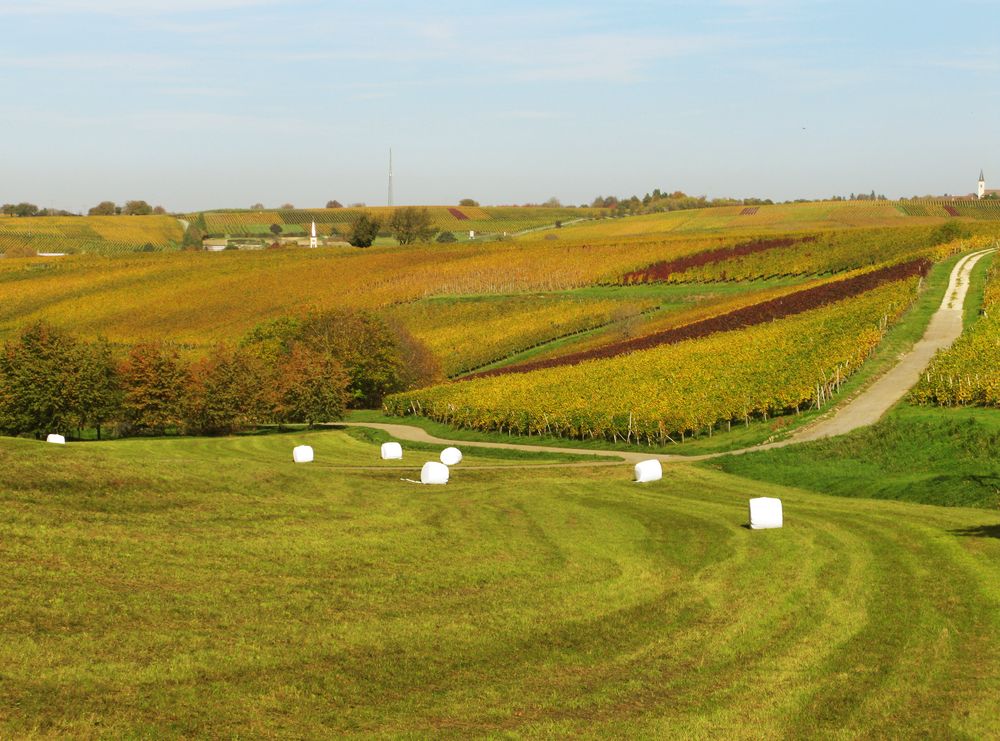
659,201
306,369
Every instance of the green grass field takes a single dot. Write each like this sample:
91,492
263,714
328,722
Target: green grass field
937,456
211,588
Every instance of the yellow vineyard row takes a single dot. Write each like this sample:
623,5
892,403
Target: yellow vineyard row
663,393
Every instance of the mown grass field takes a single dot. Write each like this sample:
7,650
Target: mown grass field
947,457
211,588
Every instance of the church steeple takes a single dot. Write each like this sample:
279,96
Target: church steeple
982,185
981,178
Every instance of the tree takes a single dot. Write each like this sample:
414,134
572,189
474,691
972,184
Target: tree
553,202
25,209
99,394
228,392
275,229
287,207
948,232
104,208
363,230
137,208
334,204
380,358
311,387
193,237
468,202
155,383
411,224
257,207
445,237
159,210
39,381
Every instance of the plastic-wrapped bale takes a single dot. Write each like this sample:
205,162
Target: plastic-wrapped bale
646,471
57,439
434,473
765,513
392,451
451,456
302,454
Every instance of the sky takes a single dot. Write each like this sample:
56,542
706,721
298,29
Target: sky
197,104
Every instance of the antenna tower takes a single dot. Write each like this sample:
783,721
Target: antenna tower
390,176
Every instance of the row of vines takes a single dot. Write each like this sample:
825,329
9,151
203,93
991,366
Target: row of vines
108,235
665,393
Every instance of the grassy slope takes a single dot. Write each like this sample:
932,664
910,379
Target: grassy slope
977,282
211,588
936,456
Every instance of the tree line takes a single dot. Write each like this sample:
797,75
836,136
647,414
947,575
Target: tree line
658,201
27,210
104,208
305,369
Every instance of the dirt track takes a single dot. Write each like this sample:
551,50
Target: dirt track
866,408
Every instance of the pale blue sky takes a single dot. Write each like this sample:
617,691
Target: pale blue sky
213,103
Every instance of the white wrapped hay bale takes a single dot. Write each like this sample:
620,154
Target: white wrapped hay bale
392,451
302,454
57,439
765,513
646,471
451,456
434,473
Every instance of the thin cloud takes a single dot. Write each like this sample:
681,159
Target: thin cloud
125,7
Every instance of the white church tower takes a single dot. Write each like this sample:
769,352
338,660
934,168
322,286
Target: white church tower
313,242
982,185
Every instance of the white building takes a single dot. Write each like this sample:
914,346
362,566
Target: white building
982,191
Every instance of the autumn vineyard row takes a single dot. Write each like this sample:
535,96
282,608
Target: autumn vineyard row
665,393
747,316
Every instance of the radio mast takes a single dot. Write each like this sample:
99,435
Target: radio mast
390,176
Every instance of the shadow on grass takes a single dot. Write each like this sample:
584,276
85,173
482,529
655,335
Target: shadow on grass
983,531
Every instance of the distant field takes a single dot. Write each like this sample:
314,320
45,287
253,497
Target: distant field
103,235
209,588
789,217
457,219
198,298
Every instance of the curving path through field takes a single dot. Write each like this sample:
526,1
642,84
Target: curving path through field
865,409
869,406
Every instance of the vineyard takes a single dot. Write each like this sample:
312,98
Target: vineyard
968,373
336,221
789,217
468,334
668,392
987,209
104,235
771,310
